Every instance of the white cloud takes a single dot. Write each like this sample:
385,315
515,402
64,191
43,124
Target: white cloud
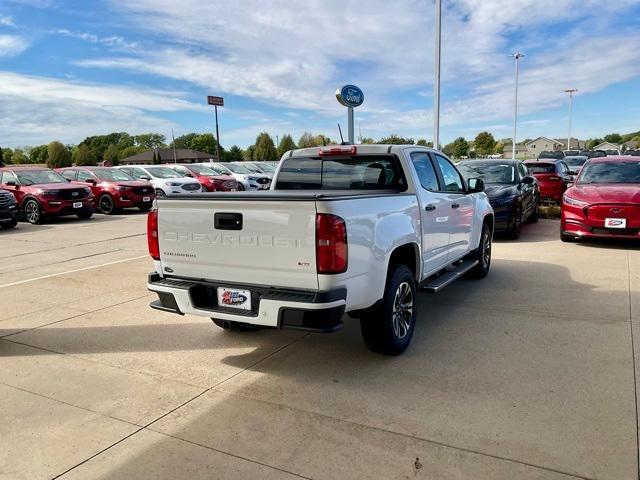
117,42
12,45
7,21
38,109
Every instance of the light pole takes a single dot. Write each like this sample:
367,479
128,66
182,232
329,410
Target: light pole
570,91
517,56
436,83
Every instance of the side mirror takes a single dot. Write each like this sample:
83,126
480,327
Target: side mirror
475,185
92,181
145,177
569,179
572,172
11,183
529,180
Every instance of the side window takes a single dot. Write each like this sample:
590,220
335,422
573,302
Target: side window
8,177
425,171
69,174
83,176
560,168
451,177
523,170
137,173
182,171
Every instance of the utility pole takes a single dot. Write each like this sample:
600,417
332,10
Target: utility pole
517,56
216,102
173,138
436,83
570,91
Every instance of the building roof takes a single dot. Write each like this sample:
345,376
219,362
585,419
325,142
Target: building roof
631,144
166,154
544,138
607,146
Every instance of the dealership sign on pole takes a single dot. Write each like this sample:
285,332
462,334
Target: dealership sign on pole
351,97
216,102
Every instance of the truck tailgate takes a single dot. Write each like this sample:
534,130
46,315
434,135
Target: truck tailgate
243,241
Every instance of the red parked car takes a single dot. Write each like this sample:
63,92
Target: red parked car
604,201
553,176
113,188
211,179
42,193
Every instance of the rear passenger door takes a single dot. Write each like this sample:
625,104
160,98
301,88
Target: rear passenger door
433,207
458,209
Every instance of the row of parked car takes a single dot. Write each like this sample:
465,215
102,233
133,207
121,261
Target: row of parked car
37,193
598,196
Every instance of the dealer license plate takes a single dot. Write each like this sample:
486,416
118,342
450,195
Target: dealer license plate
234,298
77,204
615,223
146,199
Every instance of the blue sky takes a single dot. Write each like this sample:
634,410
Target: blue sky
69,69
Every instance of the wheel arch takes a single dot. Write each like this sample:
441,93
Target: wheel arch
407,254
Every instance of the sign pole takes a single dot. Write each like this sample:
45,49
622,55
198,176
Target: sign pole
217,136
350,133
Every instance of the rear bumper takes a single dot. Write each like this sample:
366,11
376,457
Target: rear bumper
61,208
270,307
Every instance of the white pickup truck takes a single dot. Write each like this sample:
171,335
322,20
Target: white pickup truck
344,229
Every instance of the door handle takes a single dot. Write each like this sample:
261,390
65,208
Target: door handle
430,208
455,205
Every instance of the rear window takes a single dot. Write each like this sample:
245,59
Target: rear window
541,167
365,172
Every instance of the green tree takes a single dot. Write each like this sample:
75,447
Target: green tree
394,139
484,143
1,158
460,147
82,155
499,148
111,154
38,154
19,157
58,155
250,153
286,144
265,150
184,141
149,140
99,143
423,143
204,142
306,140
367,141
322,140
7,155
234,154
613,138
592,142
129,152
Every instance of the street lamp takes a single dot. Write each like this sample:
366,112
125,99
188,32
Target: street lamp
436,83
517,56
570,91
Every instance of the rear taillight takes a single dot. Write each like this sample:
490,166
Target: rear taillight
554,179
152,234
331,244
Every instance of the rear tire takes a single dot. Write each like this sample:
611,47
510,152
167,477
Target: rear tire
534,217
234,326
514,231
483,254
388,328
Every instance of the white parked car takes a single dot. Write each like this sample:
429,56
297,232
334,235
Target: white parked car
165,181
249,180
347,229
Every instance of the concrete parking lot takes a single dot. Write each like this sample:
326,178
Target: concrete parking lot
528,374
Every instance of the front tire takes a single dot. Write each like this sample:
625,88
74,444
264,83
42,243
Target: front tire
85,215
240,187
388,328
106,204
33,212
160,193
516,227
483,254
534,217
11,224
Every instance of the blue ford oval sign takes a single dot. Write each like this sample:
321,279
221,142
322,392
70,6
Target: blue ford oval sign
350,96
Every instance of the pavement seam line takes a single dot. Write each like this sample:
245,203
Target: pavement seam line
71,271
406,435
633,360
178,407
67,318
63,261
69,404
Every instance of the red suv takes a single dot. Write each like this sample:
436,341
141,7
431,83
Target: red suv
604,202
42,193
211,179
113,188
552,175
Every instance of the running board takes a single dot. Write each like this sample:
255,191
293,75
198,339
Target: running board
434,285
